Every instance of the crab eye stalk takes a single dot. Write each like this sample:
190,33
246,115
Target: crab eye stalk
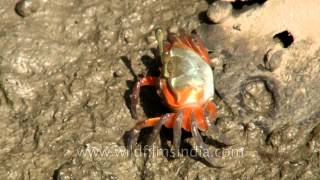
160,39
163,55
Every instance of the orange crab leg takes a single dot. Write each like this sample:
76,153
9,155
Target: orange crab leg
134,97
212,110
198,113
156,122
147,123
186,123
170,117
199,116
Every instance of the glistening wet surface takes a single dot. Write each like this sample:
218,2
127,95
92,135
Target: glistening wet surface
67,69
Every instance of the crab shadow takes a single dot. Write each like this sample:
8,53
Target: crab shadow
149,100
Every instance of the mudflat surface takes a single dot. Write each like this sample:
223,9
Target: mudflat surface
67,69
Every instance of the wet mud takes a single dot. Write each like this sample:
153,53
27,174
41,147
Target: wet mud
67,69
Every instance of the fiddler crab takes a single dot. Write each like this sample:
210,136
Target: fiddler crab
186,85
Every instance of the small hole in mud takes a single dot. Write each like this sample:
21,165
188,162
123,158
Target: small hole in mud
285,37
241,4
194,32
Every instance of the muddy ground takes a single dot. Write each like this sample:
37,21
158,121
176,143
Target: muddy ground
67,69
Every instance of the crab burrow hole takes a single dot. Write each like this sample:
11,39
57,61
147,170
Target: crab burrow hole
242,4
259,95
285,37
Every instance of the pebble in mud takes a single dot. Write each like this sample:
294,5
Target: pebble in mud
218,11
174,29
25,8
256,97
273,59
118,73
274,56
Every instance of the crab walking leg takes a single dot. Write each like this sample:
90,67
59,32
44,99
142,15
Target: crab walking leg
215,130
158,125
210,116
134,133
177,132
134,97
198,140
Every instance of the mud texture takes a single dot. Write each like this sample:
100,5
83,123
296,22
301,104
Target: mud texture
67,69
